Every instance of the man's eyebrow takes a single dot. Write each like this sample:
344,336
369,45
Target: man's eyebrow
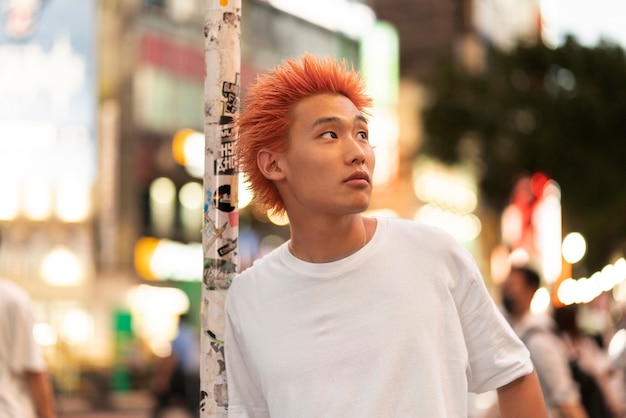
335,119
361,118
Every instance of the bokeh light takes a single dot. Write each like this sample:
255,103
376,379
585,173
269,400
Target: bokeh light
574,247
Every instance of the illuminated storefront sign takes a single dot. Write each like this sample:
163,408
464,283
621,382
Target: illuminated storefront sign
532,222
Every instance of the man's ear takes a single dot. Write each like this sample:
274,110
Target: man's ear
269,165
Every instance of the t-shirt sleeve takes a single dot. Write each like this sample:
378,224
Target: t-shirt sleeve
245,394
496,355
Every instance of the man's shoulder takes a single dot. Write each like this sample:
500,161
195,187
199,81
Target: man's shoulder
262,266
12,291
429,240
263,261
408,226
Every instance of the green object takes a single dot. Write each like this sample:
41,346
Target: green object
123,339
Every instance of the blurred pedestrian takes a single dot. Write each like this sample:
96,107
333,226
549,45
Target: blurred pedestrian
601,384
176,381
25,387
548,353
354,316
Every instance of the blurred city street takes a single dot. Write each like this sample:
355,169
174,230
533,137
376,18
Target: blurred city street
499,122
132,404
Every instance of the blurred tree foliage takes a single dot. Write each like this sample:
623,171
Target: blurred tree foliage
559,111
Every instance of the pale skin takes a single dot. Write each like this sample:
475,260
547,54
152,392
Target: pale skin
325,181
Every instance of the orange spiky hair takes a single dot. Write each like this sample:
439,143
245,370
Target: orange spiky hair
265,119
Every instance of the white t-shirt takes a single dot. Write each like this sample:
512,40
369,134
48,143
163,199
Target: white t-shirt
402,328
18,351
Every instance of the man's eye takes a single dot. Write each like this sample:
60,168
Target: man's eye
329,135
362,135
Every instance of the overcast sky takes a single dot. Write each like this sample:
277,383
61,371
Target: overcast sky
587,20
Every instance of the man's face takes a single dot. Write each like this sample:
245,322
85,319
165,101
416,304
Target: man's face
329,163
516,295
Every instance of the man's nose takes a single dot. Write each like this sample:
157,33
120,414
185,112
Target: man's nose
355,152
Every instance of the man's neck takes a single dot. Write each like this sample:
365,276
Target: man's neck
324,243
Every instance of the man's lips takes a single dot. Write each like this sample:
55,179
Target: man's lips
359,175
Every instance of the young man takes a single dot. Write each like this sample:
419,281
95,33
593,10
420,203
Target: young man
25,388
354,317
538,332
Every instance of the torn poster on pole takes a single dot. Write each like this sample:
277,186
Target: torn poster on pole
222,32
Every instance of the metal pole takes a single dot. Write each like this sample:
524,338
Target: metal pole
222,32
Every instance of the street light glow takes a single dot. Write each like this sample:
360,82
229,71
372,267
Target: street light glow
574,247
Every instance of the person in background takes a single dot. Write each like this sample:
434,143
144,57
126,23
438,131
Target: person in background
548,353
176,381
25,387
601,384
354,316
